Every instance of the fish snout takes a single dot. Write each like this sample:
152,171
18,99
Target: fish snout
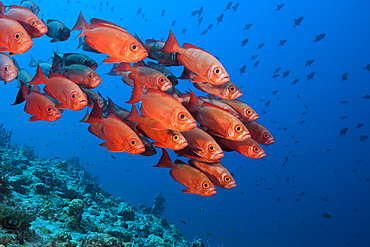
25,46
230,185
139,150
260,155
11,76
166,87
217,155
224,80
237,95
43,29
211,192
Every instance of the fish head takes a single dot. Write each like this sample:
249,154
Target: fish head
101,102
35,27
133,51
175,140
238,132
181,119
19,40
8,72
249,114
134,145
205,187
51,113
266,138
92,79
255,151
226,180
217,75
90,63
231,91
62,32
163,83
76,100
211,150
31,6
149,148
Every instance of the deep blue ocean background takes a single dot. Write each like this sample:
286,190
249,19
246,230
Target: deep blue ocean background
279,200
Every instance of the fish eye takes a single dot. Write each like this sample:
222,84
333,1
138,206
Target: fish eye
74,96
96,99
211,148
216,71
256,149
227,179
6,68
161,80
134,47
32,23
266,135
206,185
249,112
238,128
49,109
232,89
18,36
90,76
175,138
132,142
147,146
60,29
182,116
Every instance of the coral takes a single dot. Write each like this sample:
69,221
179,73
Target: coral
27,153
75,212
4,188
93,240
15,219
127,211
158,206
4,136
197,243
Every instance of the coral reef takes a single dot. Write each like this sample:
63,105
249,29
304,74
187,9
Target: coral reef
4,135
50,203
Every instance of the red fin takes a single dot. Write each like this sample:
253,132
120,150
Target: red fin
140,64
85,118
35,118
80,23
95,115
39,77
22,93
157,126
95,21
165,160
187,45
188,190
19,7
207,104
171,44
193,102
2,8
187,74
123,67
134,114
53,75
109,59
137,93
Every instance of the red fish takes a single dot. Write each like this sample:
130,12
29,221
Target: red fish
220,104
126,77
195,181
189,153
216,172
8,70
227,90
81,75
203,144
112,40
221,122
37,104
33,25
148,77
245,111
13,37
259,133
62,89
118,136
163,138
170,115
206,66
248,148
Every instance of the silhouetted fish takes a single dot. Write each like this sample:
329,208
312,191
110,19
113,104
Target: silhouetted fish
344,102
275,92
363,138
200,11
277,70
344,76
244,42
235,7
210,26
267,104
366,96
344,117
173,23
301,122
247,26
310,76
286,73
242,69
309,62
163,12
256,64
279,6
260,46
343,131
282,42
359,125
139,11
367,67
184,30
295,81
228,5
319,37
200,20
219,19
326,216
254,57
275,76
204,32
298,21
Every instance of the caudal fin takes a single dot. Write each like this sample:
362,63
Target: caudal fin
95,115
22,93
171,44
165,160
80,23
137,93
39,77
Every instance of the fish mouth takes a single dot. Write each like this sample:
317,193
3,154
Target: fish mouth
254,118
237,95
230,185
270,141
26,46
191,126
260,155
10,77
139,150
224,80
43,29
167,87
217,156
211,192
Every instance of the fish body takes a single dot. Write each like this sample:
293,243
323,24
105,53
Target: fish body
31,23
253,57
57,30
219,103
61,89
85,47
13,37
31,6
344,76
245,112
225,91
164,71
219,19
295,81
282,42
8,70
260,46
228,6
244,42
81,75
259,133
279,6
242,69
216,172
195,180
319,37
298,21
247,26
256,64
286,73
37,104
170,115
309,62
343,131
310,76
206,66
68,59
235,7
93,96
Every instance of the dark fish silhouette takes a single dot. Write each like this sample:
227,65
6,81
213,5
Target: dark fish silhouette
256,64
267,104
242,69
326,216
298,21
299,98
363,138
210,26
304,113
235,7
344,76
228,6
366,96
173,23
286,73
279,6
244,42
309,62
344,117
254,57
282,42
200,11
359,125
204,32
262,100
301,122
275,76
184,30
275,92
219,19
260,46
295,81
344,102
163,12
310,76
367,67
57,30
343,131
319,37
306,107
247,26
193,13
200,20
277,70
139,11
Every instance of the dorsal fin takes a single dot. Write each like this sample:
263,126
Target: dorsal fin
19,7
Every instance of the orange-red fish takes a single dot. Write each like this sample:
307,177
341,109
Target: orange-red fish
220,122
163,138
93,96
119,136
189,153
37,104
8,70
62,89
33,25
112,40
245,111
206,66
126,77
81,75
195,181
220,104
148,77
216,172
259,133
248,148
13,37
170,115
203,144
227,90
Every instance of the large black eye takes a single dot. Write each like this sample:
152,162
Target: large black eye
6,68
232,89
266,135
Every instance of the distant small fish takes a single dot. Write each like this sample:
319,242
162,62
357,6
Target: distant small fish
359,125
295,81
275,76
242,69
200,20
279,198
256,64
344,117
262,100
298,96
235,7
219,19
298,199
344,102
228,6
344,76
163,12
326,198
247,26
319,37
298,21
263,112
210,26
260,46
279,6
275,92
139,11
366,96
310,76
301,122
173,23
282,42
363,138
267,104
200,11
184,30
306,107
253,57
286,73
304,113
367,67
112,156
326,216
309,62
204,32
343,131
277,70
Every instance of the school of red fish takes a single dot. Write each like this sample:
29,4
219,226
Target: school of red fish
199,128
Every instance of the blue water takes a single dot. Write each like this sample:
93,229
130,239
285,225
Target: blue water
248,215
